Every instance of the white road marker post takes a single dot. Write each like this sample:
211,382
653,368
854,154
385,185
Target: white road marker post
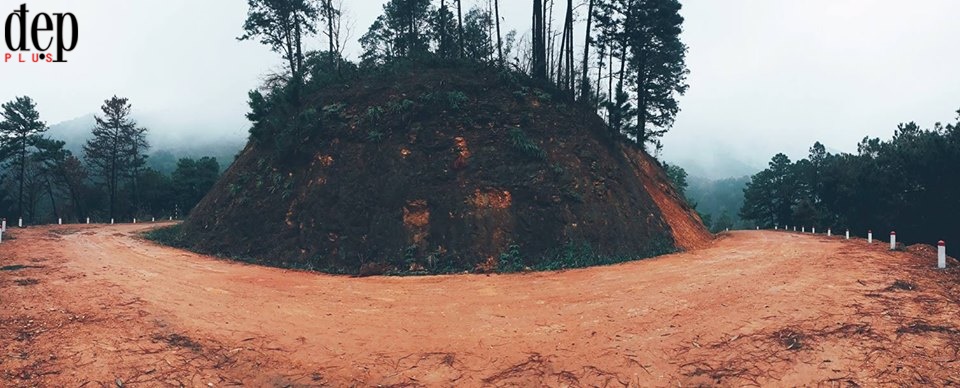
814,230
776,227
829,232
794,228
758,228
3,225
803,229
848,234
134,220
59,221
941,255
20,222
111,221
869,237
893,240
88,220
153,219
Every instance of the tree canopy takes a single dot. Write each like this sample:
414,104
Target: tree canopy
907,183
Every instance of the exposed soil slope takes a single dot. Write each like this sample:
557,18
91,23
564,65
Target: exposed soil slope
441,170
91,306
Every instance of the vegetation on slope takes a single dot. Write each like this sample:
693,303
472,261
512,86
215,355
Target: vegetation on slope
431,169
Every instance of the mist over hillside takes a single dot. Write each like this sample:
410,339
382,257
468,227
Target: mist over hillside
170,138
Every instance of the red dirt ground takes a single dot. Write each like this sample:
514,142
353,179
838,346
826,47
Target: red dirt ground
98,306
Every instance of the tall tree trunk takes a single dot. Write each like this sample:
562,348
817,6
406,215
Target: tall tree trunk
551,39
596,97
299,43
335,58
443,29
291,55
585,84
74,196
113,182
53,201
460,27
23,172
640,49
496,11
539,42
610,74
563,45
571,73
135,175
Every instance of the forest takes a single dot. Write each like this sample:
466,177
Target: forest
632,68
42,181
905,184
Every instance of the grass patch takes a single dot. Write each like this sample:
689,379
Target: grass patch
171,236
569,256
578,255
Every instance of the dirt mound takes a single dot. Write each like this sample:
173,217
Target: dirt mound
445,170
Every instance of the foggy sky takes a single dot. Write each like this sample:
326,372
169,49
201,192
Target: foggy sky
766,76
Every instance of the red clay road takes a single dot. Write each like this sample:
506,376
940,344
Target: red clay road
98,306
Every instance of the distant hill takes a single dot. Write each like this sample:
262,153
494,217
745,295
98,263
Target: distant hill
717,165
169,140
716,199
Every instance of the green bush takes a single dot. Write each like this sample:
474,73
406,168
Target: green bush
521,143
542,95
373,115
456,99
453,100
375,136
334,111
511,260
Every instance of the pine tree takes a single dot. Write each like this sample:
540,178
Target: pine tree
116,150
476,38
282,25
770,195
445,27
20,130
403,31
652,57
